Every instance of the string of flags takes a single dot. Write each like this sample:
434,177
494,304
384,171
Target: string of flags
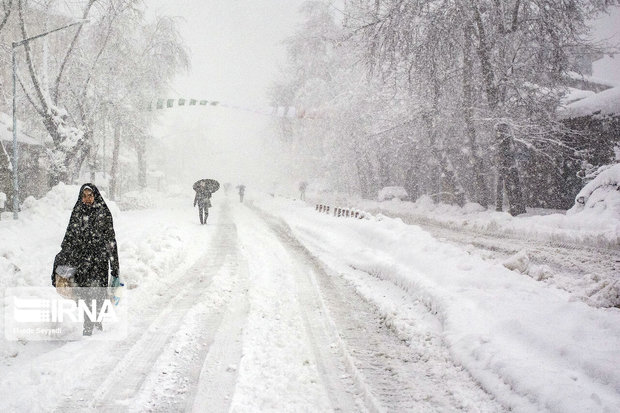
169,103
277,111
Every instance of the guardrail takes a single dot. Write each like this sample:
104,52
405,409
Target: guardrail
342,212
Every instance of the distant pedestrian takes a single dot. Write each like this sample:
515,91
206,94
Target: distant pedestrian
241,192
302,190
89,248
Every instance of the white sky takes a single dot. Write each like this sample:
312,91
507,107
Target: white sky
235,45
236,52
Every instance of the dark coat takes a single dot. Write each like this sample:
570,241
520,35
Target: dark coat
203,198
89,243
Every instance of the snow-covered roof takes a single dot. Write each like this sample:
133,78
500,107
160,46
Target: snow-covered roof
605,103
574,95
6,132
594,80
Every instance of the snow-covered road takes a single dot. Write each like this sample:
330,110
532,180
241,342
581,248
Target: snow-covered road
389,372
272,307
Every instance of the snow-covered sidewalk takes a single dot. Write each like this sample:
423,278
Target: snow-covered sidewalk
155,246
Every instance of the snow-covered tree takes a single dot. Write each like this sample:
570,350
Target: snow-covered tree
93,78
496,67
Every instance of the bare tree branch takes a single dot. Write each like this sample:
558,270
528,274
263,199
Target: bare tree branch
36,107
7,12
33,75
55,94
97,57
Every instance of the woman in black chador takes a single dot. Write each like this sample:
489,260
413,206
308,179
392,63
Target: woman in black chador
89,245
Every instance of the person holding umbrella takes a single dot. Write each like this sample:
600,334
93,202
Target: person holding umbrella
204,189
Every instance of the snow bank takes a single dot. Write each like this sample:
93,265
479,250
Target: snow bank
28,245
592,229
529,345
574,95
151,244
392,192
143,249
137,200
600,196
598,231
606,102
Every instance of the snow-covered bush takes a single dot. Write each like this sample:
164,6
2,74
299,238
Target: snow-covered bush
60,198
602,194
392,192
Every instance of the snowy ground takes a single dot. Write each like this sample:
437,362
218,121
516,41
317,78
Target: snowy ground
275,307
577,253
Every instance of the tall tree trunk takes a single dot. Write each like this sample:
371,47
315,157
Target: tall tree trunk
384,177
481,192
114,172
484,55
453,191
509,171
506,165
364,175
361,178
92,163
411,175
60,169
141,152
81,151
371,173
449,190
499,192
5,159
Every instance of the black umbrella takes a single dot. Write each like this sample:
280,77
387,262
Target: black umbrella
210,185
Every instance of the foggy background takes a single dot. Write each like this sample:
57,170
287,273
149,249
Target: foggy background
236,52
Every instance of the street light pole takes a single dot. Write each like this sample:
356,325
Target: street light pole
15,149
15,152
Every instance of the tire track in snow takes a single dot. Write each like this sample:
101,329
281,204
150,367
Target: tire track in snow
392,374
282,368
197,369
218,375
